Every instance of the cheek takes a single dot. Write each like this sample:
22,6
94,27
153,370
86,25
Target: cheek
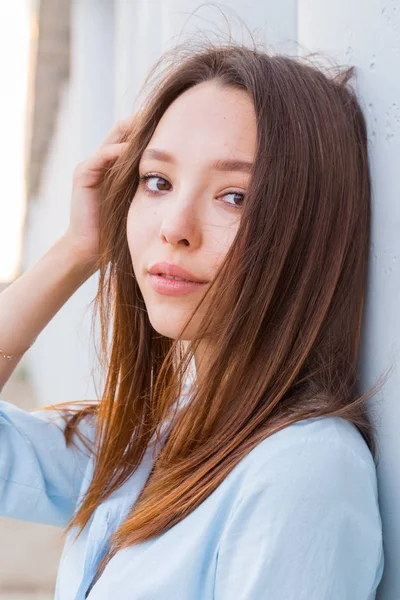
219,242
140,228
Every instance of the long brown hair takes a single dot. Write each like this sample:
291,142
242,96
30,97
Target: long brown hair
284,338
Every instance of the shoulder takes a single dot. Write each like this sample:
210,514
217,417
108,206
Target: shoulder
312,476
333,436
305,516
325,454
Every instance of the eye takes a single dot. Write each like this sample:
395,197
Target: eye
153,187
238,201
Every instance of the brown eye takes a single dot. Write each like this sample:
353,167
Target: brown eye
161,184
237,199
154,183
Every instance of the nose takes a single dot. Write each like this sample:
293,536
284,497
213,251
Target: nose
180,224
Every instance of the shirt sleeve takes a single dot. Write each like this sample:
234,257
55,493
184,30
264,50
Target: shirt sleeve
40,477
310,531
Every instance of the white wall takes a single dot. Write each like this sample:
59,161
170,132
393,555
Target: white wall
368,35
145,29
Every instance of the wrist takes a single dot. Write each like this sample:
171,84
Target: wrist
78,257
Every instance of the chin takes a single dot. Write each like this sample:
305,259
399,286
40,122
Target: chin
169,323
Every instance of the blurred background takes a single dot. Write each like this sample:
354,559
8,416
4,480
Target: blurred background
69,70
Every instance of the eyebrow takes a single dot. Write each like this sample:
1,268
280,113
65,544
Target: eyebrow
216,165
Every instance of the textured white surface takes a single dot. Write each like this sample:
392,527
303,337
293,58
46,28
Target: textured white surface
367,34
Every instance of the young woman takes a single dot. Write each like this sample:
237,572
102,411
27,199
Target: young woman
230,455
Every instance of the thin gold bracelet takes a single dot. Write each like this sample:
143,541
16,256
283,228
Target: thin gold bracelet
12,356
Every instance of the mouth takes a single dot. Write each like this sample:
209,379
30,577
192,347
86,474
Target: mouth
173,277
174,272
171,285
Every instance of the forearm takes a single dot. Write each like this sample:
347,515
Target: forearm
30,302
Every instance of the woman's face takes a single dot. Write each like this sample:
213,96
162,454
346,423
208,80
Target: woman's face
186,211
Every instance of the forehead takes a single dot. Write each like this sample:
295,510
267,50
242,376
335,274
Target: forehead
208,122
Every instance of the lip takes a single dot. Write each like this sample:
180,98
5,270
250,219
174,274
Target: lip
171,287
175,271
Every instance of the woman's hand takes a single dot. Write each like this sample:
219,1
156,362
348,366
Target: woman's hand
83,229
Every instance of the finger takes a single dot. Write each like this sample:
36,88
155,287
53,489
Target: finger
90,169
117,132
103,156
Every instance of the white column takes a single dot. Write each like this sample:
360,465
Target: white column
138,44
62,360
92,68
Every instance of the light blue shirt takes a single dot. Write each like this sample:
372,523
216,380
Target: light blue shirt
296,519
